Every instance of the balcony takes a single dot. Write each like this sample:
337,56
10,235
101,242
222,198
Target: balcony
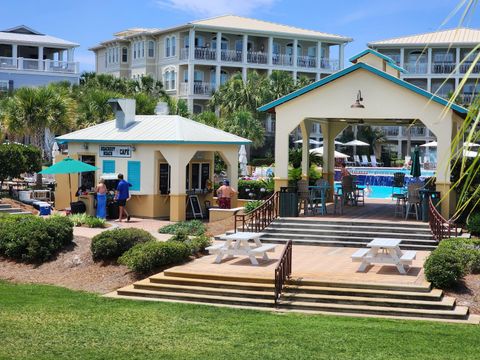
307,61
199,88
257,57
231,55
282,59
200,53
53,66
467,98
443,67
464,68
416,67
415,131
329,64
391,130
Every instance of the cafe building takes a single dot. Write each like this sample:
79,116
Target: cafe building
167,158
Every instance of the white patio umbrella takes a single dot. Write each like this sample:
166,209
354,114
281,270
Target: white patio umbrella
338,155
470,144
356,143
470,154
55,151
310,141
430,144
242,160
336,143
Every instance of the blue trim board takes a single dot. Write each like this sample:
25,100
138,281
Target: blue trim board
373,52
396,67
124,141
328,79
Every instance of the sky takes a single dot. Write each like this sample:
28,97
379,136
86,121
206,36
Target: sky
88,22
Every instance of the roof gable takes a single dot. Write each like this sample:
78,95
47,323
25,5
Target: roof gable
354,58
22,29
450,36
359,65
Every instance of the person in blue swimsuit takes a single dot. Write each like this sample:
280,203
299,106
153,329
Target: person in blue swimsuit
101,199
122,195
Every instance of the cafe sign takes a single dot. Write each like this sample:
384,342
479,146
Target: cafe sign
119,151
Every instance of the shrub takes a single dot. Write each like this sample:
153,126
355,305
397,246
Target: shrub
147,257
199,243
258,188
252,205
180,235
33,239
193,227
87,220
111,244
473,224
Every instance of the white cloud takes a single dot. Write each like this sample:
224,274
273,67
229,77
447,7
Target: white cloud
217,7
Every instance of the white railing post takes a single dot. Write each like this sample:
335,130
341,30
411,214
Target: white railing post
191,45
341,56
270,50
319,56
46,64
14,51
244,48
429,60
295,53
20,63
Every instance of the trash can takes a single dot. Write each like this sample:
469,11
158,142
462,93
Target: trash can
425,196
112,210
288,202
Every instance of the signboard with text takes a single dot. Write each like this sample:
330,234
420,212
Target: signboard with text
121,151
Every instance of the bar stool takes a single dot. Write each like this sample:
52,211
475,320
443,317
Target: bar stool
400,204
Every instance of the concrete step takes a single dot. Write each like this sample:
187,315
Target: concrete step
349,222
446,303
458,313
220,277
338,243
10,210
347,236
5,206
350,229
204,290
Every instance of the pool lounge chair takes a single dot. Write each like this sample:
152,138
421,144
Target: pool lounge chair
407,161
356,159
365,161
375,163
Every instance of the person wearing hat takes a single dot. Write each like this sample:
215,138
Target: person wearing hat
225,193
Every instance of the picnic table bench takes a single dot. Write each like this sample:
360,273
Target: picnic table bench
384,251
238,244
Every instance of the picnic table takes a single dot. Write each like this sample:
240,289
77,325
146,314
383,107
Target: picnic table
238,244
384,251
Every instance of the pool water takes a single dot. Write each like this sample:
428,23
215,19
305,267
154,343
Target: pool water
375,191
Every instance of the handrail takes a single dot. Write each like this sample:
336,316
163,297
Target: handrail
283,270
441,228
261,217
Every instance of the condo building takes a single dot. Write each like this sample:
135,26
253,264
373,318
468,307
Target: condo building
436,62
196,58
30,58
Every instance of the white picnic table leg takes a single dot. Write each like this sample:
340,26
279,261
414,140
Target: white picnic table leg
401,269
257,241
265,256
219,257
363,265
253,260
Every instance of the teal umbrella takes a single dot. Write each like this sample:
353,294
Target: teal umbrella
69,166
415,170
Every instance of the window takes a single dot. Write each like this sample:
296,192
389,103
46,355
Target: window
199,41
133,175
164,183
200,175
276,48
239,45
124,54
167,47
3,86
142,52
174,45
290,49
197,109
173,75
186,41
198,76
151,49
312,51
134,50
106,58
224,43
185,75
108,166
166,78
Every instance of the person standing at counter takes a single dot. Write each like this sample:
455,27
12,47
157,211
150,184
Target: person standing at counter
122,195
101,191
225,193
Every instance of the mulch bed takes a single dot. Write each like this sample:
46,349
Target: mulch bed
72,268
468,293
18,204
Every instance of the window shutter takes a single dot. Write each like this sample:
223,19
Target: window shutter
133,175
108,166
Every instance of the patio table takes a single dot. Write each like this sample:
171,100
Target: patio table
239,244
384,251
318,192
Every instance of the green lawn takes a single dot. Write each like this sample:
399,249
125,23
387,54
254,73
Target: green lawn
46,322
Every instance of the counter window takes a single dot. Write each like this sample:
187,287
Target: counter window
200,175
87,179
164,178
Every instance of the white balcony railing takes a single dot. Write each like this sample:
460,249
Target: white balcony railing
231,55
329,64
416,67
199,88
205,53
467,98
39,65
282,59
443,67
184,54
391,130
183,89
257,57
466,66
307,61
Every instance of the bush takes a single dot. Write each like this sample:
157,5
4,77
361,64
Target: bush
252,205
34,239
254,189
111,244
451,261
87,220
150,256
193,227
262,161
473,224
180,235
199,243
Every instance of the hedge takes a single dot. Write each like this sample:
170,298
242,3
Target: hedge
451,261
111,244
34,239
193,227
147,257
254,187
473,224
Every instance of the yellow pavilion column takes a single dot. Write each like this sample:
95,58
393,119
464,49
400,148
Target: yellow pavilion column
282,132
178,157
306,128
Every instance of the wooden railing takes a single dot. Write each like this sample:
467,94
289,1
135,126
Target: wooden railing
260,218
283,270
441,227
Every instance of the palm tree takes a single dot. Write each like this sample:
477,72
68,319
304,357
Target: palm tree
372,136
242,123
177,107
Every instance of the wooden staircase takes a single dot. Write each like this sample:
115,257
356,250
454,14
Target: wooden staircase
397,301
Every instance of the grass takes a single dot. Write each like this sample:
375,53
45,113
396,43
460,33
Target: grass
47,322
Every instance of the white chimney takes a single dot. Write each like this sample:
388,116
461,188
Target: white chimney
124,110
161,108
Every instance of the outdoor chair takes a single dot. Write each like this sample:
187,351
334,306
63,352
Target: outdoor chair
398,182
413,200
374,162
365,161
356,159
348,190
303,196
